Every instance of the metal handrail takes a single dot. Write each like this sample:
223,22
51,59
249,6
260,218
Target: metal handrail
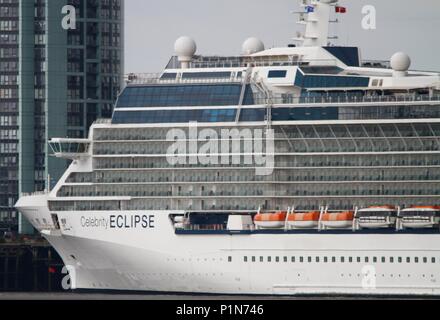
156,78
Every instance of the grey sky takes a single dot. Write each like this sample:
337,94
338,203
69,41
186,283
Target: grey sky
221,26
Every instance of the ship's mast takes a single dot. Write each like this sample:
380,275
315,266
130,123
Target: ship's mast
316,17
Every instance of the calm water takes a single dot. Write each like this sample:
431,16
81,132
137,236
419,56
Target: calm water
101,296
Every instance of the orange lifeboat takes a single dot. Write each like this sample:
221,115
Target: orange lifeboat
271,220
304,220
338,220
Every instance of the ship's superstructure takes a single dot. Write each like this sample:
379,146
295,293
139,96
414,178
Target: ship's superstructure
281,171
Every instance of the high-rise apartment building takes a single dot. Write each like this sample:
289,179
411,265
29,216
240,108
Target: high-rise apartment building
55,81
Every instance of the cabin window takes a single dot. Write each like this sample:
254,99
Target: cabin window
374,259
367,260
358,259
253,259
285,259
400,259
301,259
269,259
350,259
317,259
245,259
425,260
229,259
432,260
309,259
408,259
391,260
277,74
325,259
293,259
261,259
416,260
383,260
342,259
333,259
277,259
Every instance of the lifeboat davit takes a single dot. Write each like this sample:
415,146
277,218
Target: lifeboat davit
304,220
338,220
417,217
377,217
271,220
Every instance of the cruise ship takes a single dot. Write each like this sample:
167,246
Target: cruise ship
284,171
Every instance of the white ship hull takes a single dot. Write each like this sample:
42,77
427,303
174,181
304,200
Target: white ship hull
108,252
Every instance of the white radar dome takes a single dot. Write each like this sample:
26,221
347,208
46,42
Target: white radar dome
185,47
252,45
400,62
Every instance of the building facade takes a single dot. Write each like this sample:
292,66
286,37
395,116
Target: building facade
54,82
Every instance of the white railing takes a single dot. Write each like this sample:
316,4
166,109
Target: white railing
155,78
36,193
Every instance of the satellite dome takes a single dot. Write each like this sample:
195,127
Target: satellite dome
252,45
185,47
400,62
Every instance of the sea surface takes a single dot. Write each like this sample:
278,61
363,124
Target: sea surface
117,296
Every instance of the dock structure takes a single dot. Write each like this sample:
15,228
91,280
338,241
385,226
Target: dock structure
30,266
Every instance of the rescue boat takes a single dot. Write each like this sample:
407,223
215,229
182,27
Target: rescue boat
304,220
337,220
376,217
417,217
270,220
